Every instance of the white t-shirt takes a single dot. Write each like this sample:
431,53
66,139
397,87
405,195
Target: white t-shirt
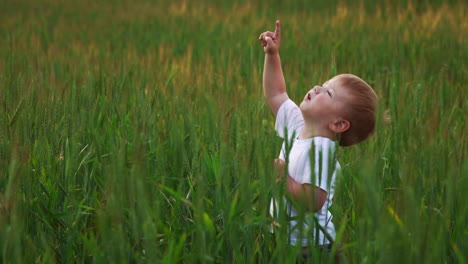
317,153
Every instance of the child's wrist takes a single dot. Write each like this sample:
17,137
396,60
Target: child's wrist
272,54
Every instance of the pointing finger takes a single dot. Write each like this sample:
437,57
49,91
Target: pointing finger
278,29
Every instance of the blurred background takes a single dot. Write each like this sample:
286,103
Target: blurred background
137,131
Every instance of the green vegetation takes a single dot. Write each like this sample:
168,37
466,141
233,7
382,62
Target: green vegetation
136,131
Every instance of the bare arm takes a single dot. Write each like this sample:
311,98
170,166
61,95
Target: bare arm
274,86
303,194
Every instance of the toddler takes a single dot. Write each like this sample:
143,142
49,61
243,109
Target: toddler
341,111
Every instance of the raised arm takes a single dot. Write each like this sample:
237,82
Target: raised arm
274,86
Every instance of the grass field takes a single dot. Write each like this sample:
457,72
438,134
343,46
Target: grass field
137,131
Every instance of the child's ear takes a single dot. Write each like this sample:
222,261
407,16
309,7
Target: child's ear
339,126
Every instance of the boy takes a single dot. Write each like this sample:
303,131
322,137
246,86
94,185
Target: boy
341,110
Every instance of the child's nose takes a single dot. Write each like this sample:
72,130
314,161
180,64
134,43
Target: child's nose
317,89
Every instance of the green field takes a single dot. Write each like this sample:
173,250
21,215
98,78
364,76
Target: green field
137,131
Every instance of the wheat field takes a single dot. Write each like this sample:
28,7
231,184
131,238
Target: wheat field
137,132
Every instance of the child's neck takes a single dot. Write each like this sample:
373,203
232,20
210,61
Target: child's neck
309,131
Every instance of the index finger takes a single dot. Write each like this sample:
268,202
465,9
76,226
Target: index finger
278,30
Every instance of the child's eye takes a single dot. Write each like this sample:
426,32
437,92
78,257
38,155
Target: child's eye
328,92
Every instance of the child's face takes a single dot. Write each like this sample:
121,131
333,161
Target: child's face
325,104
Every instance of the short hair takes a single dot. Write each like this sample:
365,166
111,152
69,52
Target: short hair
360,110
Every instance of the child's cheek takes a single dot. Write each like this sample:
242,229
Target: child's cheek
320,100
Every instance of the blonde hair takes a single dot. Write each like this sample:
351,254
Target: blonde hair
360,110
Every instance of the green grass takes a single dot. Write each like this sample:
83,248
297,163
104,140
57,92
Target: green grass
137,131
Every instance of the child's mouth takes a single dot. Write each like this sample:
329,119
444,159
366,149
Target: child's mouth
308,96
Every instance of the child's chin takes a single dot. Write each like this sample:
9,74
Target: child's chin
301,106
307,112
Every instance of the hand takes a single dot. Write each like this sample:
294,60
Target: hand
278,167
271,40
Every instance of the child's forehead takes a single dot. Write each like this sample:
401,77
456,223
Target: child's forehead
333,81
